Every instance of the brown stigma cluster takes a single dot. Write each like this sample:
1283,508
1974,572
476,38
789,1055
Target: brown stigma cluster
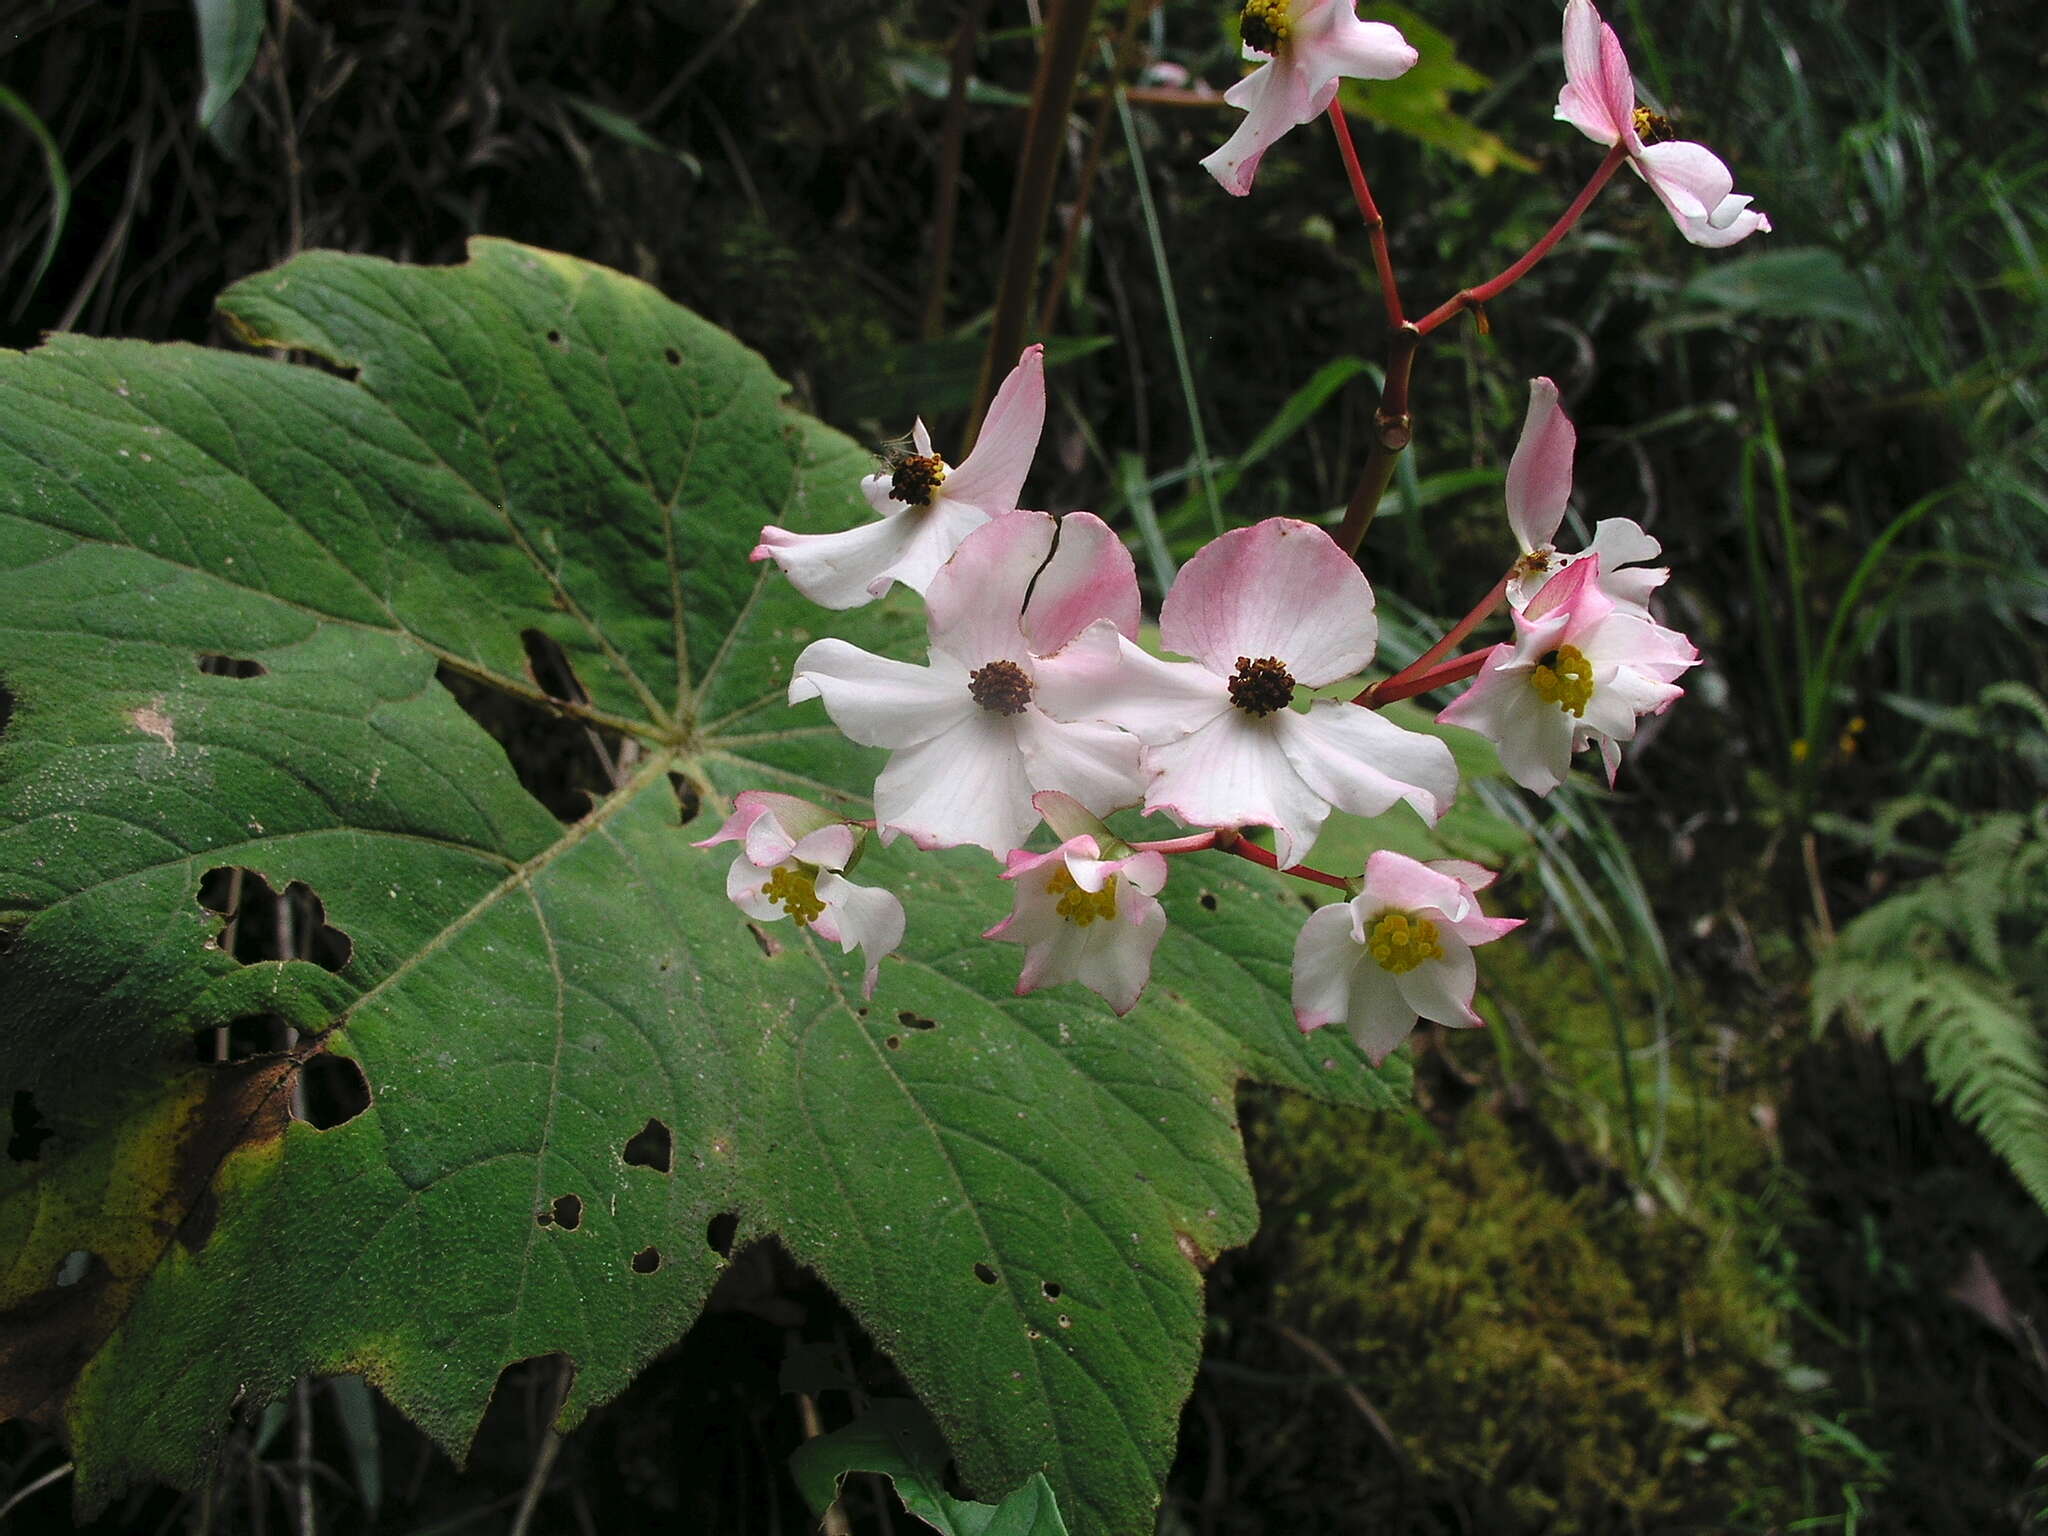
1260,687
1001,687
917,479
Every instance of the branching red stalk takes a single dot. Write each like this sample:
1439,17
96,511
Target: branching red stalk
1481,610
1409,683
1368,210
1467,298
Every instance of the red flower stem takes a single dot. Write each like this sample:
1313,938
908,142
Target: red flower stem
1481,610
1228,841
1410,682
1368,210
1466,298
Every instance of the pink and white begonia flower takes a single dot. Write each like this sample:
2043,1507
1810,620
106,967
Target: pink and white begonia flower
1401,949
791,864
970,742
1086,910
1307,45
926,506
1599,99
1264,610
1539,486
1580,669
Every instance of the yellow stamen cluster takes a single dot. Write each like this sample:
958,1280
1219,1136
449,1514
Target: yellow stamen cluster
794,888
1653,127
1078,906
1565,679
1264,25
1400,941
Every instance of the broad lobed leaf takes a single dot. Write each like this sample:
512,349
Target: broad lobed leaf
1016,1196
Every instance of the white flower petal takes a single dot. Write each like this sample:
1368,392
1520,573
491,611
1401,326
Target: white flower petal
1233,773
1103,676
967,785
1362,762
1325,957
1094,762
879,702
1090,577
867,919
1540,473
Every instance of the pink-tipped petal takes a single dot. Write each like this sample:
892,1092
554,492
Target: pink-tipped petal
968,785
879,702
1089,577
1103,676
1233,773
1540,474
1395,880
1599,96
1362,762
743,882
1116,963
1275,97
1279,588
748,807
991,478
977,602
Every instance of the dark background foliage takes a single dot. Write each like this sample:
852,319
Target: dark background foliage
1812,1305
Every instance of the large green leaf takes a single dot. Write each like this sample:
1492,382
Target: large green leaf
1017,1197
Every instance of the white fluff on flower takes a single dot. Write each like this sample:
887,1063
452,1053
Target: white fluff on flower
1401,949
926,506
1307,46
1085,911
969,741
1580,669
1264,610
1539,486
1599,99
790,864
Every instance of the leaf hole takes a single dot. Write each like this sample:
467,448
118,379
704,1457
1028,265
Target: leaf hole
984,1274
262,924
1208,901
894,1042
27,1130
555,339
762,937
254,1034
6,707
565,763
911,1020
215,664
646,1261
566,1213
720,1231
652,1146
333,1090
689,799
675,358
1051,1289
